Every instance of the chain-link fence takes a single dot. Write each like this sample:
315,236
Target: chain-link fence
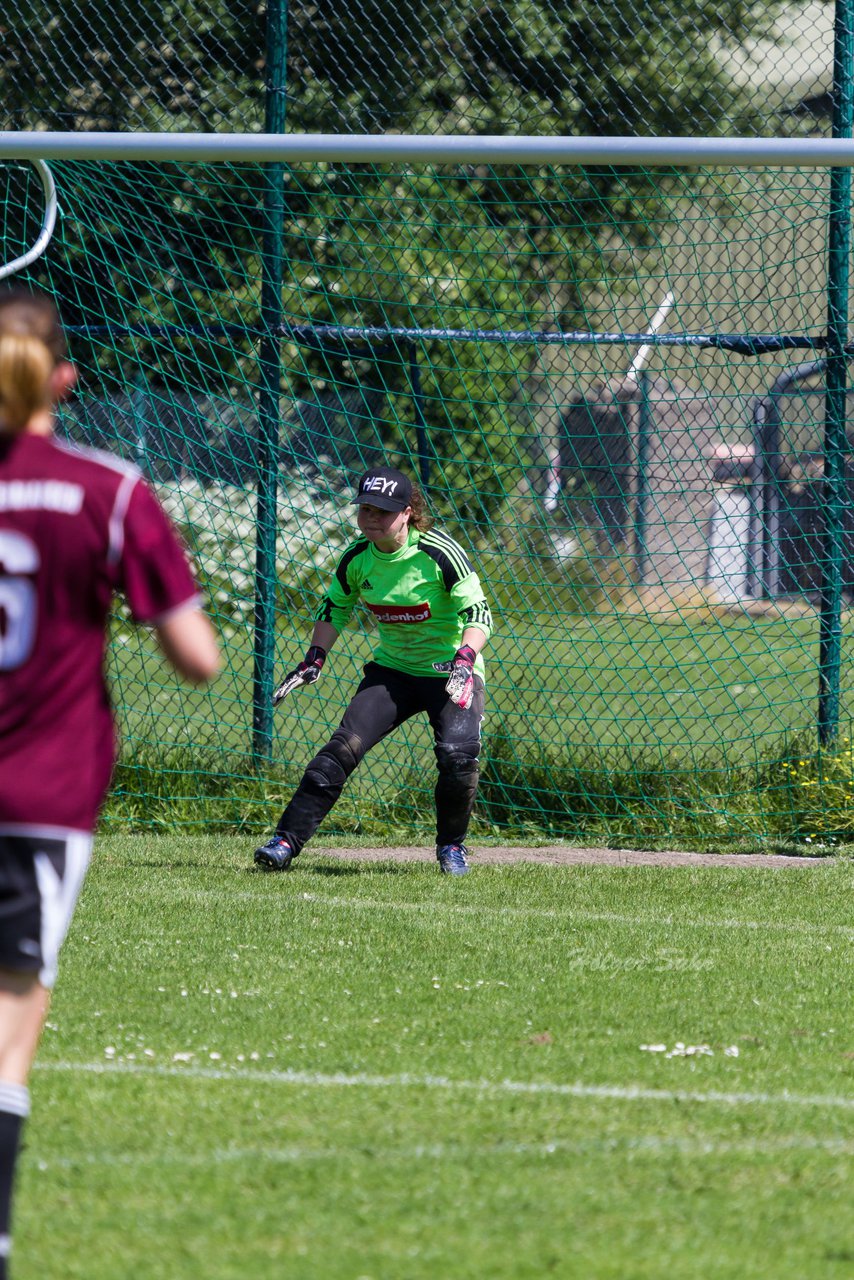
658,573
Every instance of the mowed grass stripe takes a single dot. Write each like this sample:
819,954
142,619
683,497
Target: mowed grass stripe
358,1080
568,914
454,1151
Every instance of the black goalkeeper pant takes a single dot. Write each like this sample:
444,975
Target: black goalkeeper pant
383,701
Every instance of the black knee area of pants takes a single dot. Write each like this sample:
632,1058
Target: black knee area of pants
458,763
456,788
334,763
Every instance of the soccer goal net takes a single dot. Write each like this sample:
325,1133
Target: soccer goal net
611,366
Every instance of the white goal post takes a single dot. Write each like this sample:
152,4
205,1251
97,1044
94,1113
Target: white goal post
493,149
48,223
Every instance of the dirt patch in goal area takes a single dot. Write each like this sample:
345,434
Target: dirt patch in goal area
563,855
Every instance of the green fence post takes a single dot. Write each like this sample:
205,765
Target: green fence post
835,441
421,437
272,257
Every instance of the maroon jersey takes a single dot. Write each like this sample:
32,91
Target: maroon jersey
75,526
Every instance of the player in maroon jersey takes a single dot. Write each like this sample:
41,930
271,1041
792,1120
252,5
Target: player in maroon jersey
75,527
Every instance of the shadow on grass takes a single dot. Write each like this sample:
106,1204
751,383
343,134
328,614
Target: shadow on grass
164,864
330,870
349,868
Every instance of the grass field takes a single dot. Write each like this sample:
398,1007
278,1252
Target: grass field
364,1070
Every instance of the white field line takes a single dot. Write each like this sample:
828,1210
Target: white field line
570,915
604,917
652,1144
359,1080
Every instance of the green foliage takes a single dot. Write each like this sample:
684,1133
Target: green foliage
178,65
218,526
538,66
816,789
153,790
179,246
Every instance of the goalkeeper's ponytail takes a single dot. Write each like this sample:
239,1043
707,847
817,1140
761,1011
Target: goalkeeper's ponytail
31,345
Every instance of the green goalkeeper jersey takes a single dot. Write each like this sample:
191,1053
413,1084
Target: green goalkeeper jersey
422,597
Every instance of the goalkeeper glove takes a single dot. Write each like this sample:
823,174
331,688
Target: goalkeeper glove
460,686
306,673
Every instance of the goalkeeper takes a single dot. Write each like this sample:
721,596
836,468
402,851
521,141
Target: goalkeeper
432,621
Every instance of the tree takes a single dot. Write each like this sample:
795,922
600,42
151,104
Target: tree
513,248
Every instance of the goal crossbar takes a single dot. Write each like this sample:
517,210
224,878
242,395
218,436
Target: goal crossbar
380,148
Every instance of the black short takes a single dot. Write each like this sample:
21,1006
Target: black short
386,698
41,873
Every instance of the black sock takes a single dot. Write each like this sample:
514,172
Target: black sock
14,1108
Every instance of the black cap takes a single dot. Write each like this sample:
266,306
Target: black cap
385,488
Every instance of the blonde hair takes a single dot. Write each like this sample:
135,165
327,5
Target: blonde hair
31,345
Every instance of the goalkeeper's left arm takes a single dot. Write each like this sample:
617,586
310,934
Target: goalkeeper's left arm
476,618
460,686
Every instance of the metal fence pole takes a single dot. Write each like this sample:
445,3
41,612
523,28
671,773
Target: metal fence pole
422,440
835,441
768,428
642,452
272,258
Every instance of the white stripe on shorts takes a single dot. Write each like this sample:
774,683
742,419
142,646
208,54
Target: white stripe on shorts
58,899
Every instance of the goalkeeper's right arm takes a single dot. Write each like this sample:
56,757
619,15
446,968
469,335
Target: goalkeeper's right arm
308,671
